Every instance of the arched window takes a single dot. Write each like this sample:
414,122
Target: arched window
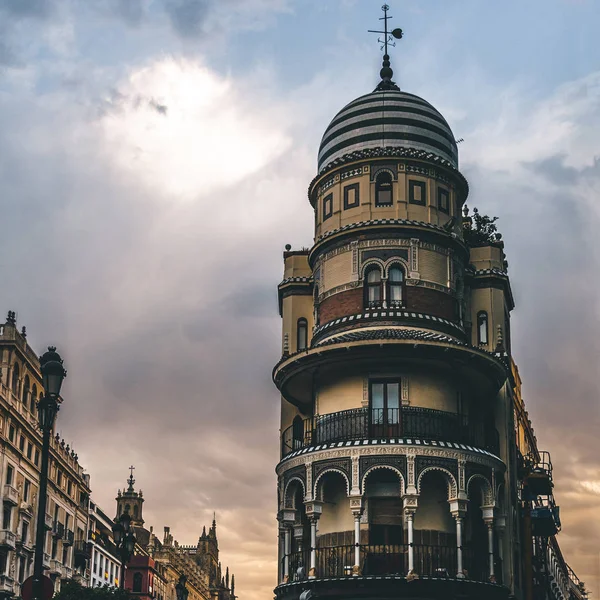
137,582
15,378
26,386
383,189
482,327
395,285
135,512
33,399
302,335
373,287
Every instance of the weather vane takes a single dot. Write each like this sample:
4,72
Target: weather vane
388,37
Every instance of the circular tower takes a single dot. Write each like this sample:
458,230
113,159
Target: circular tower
396,414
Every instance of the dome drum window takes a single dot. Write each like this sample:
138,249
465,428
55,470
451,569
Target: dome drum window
417,192
351,196
443,198
327,206
384,189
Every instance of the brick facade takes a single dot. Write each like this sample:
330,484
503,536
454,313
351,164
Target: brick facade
418,299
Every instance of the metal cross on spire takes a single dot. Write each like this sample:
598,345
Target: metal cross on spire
387,40
131,480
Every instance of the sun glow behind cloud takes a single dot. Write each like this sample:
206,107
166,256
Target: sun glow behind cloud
185,131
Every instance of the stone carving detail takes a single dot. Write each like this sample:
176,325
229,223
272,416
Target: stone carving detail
355,475
385,450
461,475
369,462
450,464
342,465
414,259
351,173
309,480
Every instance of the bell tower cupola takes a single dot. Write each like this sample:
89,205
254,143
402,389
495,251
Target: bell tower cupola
131,501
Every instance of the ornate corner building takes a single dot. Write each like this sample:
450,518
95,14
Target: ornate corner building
20,462
403,467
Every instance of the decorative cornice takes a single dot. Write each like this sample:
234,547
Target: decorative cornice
384,314
399,447
396,152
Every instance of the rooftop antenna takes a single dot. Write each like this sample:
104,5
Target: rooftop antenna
388,38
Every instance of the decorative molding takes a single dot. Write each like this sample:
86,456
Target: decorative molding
340,465
394,463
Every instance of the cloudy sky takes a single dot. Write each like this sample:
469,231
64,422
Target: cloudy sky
154,160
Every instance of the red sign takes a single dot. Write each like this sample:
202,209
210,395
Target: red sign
27,588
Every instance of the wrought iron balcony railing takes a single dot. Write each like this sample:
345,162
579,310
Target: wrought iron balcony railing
430,560
406,422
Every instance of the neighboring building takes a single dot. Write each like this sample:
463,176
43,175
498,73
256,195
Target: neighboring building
68,486
104,563
156,567
408,466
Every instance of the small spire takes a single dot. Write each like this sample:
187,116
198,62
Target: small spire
131,480
386,72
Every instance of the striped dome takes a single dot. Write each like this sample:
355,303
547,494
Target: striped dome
387,119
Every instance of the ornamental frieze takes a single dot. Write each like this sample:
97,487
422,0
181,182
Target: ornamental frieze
450,464
367,462
391,450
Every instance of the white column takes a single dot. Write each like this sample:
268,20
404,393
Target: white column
490,526
356,569
287,543
459,556
313,548
411,551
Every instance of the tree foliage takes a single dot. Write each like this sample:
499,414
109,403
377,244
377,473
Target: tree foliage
71,590
482,230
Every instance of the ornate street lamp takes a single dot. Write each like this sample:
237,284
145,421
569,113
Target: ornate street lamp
180,589
124,539
53,374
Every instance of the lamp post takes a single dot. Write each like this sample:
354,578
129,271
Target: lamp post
53,374
180,589
124,541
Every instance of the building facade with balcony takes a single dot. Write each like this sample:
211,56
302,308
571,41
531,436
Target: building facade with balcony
399,474
97,553
21,442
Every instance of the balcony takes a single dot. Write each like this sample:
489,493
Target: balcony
408,422
48,522
83,549
66,573
69,538
55,567
392,560
7,586
58,529
7,539
11,495
46,561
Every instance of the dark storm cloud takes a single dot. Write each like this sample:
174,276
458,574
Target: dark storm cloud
187,16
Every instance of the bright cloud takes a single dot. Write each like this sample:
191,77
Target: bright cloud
186,131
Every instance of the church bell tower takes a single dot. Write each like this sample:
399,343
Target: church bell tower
396,412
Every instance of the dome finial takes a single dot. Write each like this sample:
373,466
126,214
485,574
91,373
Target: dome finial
386,72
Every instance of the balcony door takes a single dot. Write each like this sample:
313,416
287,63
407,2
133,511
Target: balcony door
384,408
